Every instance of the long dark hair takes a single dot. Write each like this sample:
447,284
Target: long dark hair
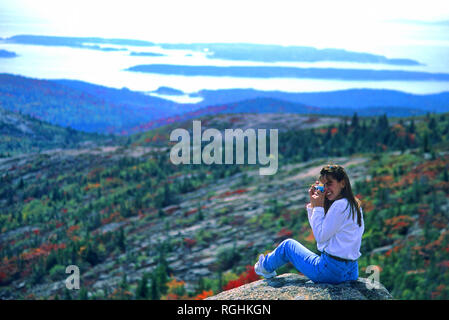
338,173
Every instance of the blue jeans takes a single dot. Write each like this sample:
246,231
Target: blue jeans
319,269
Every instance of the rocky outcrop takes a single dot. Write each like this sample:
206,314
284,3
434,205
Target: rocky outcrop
292,286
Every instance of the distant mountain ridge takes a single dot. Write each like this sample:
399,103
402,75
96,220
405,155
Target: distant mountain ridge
347,99
262,105
93,108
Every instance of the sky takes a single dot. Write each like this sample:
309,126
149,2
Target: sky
330,23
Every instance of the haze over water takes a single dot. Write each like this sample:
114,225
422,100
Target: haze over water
393,36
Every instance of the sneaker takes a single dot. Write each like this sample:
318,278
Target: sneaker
261,270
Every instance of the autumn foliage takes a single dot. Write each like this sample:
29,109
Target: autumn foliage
246,277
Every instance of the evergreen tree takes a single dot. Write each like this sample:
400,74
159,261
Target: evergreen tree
305,154
83,295
425,143
432,124
411,128
124,286
355,121
167,195
67,294
155,293
121,240
91,254
446,175
200,286
199,216
21,184
142,291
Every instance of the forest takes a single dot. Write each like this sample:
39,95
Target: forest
117,211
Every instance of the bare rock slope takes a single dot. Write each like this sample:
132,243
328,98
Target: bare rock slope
292,286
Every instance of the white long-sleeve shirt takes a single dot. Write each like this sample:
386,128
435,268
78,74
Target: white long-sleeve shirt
337,233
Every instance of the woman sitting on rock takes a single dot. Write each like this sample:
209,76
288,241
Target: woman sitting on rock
335,216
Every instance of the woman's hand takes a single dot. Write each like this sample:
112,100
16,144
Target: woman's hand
316,197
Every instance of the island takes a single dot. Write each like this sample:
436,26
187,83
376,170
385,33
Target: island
7,54
290,72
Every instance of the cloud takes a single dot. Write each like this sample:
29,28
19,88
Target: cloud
260,21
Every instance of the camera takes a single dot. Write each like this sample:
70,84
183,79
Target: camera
320,187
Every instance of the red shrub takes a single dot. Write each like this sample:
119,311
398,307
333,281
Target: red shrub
246,277
189,243
284,234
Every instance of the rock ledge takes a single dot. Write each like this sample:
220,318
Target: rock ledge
292,286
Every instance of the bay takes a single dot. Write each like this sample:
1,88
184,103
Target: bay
108,68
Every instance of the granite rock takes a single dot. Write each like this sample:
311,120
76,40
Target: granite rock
292,286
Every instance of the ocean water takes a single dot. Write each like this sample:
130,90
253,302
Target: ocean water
107,68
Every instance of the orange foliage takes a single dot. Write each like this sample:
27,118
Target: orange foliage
438,291
310,237
368,206
418,271
8,268
72,229
174,284
115,216
170,296
158,137
246,277
120,294
322,130
429,169
386,181
203,295
92,186
230,193
399,222
402,133
44,250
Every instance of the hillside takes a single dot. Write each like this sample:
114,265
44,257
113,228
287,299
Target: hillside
81,106
20,133
140,227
